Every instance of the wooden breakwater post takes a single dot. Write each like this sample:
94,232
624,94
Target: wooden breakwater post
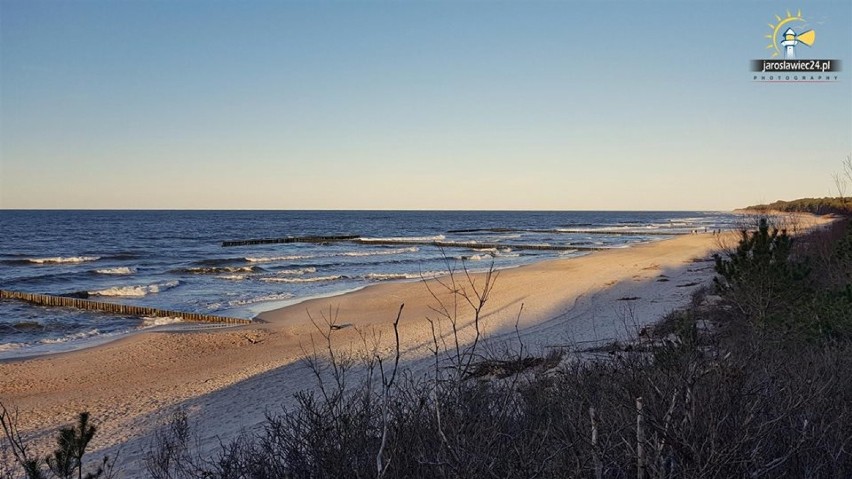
289,239
397,242
612,232
479,246
115,308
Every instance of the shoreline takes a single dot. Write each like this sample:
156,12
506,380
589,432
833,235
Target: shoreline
228,379
37,350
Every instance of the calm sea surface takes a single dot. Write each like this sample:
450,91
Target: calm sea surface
175,259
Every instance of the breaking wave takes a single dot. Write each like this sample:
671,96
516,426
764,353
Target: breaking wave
220,269
119,270
62,260
150,322
400,276
136,291
273,259
298,271
72,337
477,257
412,249
260,299
314,279
385,252
233,277
10,346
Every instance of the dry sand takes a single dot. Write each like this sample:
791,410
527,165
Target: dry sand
227,379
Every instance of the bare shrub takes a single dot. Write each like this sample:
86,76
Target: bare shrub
758,403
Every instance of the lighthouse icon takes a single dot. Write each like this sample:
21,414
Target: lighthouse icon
791,39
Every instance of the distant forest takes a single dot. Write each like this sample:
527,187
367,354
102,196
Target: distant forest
819,206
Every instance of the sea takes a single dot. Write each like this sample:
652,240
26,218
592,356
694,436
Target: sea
176,259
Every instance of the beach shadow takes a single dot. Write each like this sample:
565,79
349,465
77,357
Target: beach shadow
589,319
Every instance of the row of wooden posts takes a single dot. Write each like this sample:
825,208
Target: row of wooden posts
115,308
289,239
447,244
395,242
612,232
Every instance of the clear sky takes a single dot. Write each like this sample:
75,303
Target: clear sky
413,105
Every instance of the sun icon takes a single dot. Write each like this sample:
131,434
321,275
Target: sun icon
790,18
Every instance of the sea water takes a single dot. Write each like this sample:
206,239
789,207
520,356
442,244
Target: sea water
175,259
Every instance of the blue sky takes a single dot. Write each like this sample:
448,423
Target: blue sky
413,105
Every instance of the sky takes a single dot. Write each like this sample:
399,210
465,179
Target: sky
552,105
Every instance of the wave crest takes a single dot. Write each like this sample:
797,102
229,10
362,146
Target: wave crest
412,249
72,337
297,272
119,270
63,259
150,322
136,291
400,276
314,279
233,277
273,259
260,299
219,269
385,252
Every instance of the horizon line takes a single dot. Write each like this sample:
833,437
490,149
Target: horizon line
376,209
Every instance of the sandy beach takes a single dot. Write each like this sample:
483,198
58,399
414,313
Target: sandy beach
228,378
201,202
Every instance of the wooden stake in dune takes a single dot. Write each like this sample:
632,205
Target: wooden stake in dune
593,415
640,441
122,309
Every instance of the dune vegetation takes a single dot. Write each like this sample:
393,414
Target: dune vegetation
750,380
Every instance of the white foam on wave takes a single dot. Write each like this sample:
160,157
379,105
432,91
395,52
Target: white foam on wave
403,239
233,277
136,291
119,270
273,259
221,269
278,258
400,276
412,249
150,322
488,254
314,279
685,222
283,272
260,299
72,337
299,271
61,259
